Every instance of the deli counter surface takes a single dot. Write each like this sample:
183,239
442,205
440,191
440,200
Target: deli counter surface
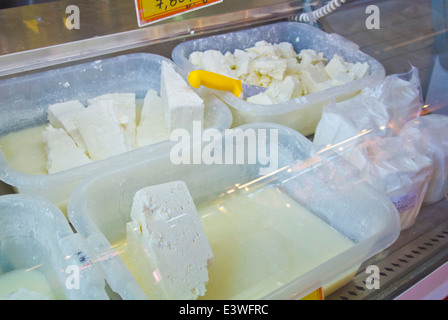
400,34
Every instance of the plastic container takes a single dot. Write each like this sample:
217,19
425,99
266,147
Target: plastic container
25,100
324,184
40,252
428,134
302,113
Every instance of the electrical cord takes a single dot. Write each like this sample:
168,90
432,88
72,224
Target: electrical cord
315,15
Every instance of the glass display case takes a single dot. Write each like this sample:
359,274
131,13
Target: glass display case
40,46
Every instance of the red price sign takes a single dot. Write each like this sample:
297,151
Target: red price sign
150,11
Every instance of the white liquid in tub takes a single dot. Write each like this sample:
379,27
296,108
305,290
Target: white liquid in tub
25,150
33,281
260,240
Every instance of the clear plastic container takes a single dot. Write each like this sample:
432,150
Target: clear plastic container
40,253
246,209
302,113
25,100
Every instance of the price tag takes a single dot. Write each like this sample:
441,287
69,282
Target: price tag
150,11
315,295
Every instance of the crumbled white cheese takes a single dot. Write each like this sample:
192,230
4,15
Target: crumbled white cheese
269,65
215,61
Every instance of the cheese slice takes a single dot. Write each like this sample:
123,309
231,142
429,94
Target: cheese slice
125,112
181,105
62,115
170,233
151,128
62,152
101,130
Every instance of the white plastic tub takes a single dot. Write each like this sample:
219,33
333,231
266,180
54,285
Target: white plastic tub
40,250
303,113
25,100
325,185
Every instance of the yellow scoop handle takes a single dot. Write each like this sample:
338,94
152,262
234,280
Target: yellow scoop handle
217,81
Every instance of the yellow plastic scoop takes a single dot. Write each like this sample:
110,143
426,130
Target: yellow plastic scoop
217,81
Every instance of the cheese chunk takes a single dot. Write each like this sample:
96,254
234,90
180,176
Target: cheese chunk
279,91
215,61
152,128
62,115
314,79
124,108
62,152
243,61
336,66
196,58
181,105
101,130
272,67
311,57
171,233
263,48
285,50
359,70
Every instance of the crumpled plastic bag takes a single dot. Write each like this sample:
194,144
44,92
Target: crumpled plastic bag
399,171
381,110
428,134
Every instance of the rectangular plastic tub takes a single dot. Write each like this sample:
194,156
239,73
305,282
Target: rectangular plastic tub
302,113
25,100
325,185
40,252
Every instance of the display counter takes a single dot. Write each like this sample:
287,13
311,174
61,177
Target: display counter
35,38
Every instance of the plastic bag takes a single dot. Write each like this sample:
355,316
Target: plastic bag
378,111
429,136
399,171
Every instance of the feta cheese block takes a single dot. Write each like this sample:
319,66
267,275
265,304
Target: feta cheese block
181,105
151,128
62,115
101,130
62,152
167,227
124,108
